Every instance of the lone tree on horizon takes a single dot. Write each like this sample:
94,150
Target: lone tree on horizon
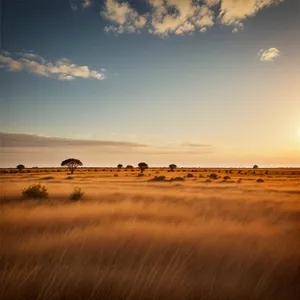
255,167
120,166
172,167
72,164
20,167
143,166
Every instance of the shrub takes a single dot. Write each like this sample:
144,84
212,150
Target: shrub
177,179
158,178
260,180
227,177
116,175
208,180
69,177
35,191
140,175
201,176
213,176
267,172
190,175
239,180
47,178
77,194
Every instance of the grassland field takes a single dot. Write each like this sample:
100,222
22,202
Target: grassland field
130,238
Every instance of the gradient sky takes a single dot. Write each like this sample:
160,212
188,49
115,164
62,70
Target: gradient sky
215,83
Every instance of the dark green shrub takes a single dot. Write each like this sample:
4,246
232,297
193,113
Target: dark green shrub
69,177
35,191
189,175
260,180
227,177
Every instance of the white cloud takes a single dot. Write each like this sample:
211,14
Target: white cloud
233,12
125,18
62,69
268,55
168,17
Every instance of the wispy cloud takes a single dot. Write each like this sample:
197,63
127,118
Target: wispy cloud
20,140
195,145
62,69
268,55
179,17
80,4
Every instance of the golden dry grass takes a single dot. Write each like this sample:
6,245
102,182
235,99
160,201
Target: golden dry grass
133,239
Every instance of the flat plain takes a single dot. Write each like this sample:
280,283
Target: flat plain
130,238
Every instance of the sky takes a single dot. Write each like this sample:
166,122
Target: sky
196,83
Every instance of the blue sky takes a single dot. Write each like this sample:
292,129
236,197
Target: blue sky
223,75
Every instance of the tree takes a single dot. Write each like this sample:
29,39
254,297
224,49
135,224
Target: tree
255,167
143,166
129,167
172,167
71,163
120,166
20,167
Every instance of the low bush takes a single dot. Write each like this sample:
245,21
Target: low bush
47,178
77,194
208,180
227,177
190,175
69,177
260,180
116,175
213,176
158,178
177,179
140,175
35,191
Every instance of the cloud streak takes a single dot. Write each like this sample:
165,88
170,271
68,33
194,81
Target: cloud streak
21,140
195,145
62,69
179,17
